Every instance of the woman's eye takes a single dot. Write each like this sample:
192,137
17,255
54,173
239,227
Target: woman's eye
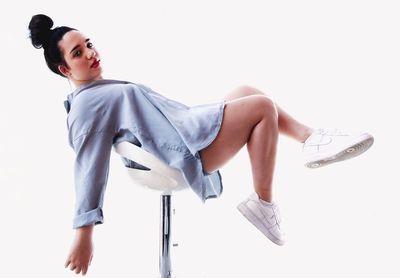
77,53
89,45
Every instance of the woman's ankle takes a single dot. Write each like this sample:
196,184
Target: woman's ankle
305,134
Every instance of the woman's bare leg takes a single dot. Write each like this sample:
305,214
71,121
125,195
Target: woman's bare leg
251,120
287,124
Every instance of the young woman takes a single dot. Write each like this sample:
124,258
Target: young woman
197,140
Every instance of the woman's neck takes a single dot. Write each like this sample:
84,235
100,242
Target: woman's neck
79,83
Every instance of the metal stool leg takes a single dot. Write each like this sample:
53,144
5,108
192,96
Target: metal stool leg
165,237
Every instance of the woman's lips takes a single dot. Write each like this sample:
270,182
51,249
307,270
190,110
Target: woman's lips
95,64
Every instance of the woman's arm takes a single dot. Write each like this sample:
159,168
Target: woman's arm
91,169
91,173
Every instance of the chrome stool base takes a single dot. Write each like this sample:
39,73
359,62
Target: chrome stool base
165,237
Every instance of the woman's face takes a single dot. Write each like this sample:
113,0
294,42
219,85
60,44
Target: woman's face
81,57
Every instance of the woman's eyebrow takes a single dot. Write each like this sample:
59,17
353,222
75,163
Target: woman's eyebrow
76,46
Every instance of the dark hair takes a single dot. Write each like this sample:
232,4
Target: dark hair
42,35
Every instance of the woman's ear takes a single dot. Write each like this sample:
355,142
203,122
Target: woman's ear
64,70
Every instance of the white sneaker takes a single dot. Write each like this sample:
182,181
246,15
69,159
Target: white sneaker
326,146
265,216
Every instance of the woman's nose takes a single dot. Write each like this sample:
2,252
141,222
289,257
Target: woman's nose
91,54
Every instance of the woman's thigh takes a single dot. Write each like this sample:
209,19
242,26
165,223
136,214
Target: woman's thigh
240,116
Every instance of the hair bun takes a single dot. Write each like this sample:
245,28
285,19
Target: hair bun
40,30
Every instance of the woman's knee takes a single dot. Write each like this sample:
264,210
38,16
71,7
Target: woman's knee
243,91
249,90
267,108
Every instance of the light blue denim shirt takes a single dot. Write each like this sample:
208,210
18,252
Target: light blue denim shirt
105,112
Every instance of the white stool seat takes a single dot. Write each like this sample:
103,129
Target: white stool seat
160,176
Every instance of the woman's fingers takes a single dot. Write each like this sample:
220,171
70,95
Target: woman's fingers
77,267
78,270
84,270
72,267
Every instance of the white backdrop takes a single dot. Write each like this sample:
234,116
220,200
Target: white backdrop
329,63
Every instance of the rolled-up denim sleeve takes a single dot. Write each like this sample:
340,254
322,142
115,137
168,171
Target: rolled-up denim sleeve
91,174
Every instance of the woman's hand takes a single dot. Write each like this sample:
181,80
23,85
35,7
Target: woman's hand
81,252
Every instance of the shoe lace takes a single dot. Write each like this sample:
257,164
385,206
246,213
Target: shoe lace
324,132
276,216
333,132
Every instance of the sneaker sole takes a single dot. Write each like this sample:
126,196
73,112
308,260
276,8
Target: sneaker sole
359,146
257,223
